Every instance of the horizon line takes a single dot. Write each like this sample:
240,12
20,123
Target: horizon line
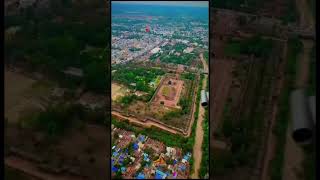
201,4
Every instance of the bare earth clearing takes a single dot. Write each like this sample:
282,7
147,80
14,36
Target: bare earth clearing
78,151
21,94
117,91
221,82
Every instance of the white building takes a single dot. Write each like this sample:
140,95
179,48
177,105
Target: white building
188,50
155,50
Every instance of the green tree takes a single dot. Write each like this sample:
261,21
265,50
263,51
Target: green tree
96,77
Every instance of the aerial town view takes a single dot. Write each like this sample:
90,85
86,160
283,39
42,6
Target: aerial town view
98,89
159,73
263,89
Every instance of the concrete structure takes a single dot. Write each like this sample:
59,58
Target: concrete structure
204,101
74,72
302,126
155,50
312,108
26,3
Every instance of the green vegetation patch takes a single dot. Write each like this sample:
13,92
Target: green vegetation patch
189,76
312,5
294,48
196,115
291,13
204,168
255,45
129,99
184,58
309,162
51,41
206,56
137,77
134,49
244,131
12,174
57,119
168,55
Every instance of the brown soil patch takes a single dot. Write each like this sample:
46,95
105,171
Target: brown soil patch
221,81
81,151
303,64
31,169
169,92
117,91
22,93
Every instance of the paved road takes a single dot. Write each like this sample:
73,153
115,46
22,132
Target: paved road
197,148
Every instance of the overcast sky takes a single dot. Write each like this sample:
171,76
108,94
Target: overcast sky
172,3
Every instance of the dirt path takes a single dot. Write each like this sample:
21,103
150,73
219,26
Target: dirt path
305,13
271,138
32,170
145,124
293,155
204,63
303,68
197,148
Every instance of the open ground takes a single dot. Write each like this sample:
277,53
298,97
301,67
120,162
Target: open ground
117,91
27,95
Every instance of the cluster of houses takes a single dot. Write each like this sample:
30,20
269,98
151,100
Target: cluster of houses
144,158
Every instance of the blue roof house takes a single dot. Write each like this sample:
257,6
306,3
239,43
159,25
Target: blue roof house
160,175
140,176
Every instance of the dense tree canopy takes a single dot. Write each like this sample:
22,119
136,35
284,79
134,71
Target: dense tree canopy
54,43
